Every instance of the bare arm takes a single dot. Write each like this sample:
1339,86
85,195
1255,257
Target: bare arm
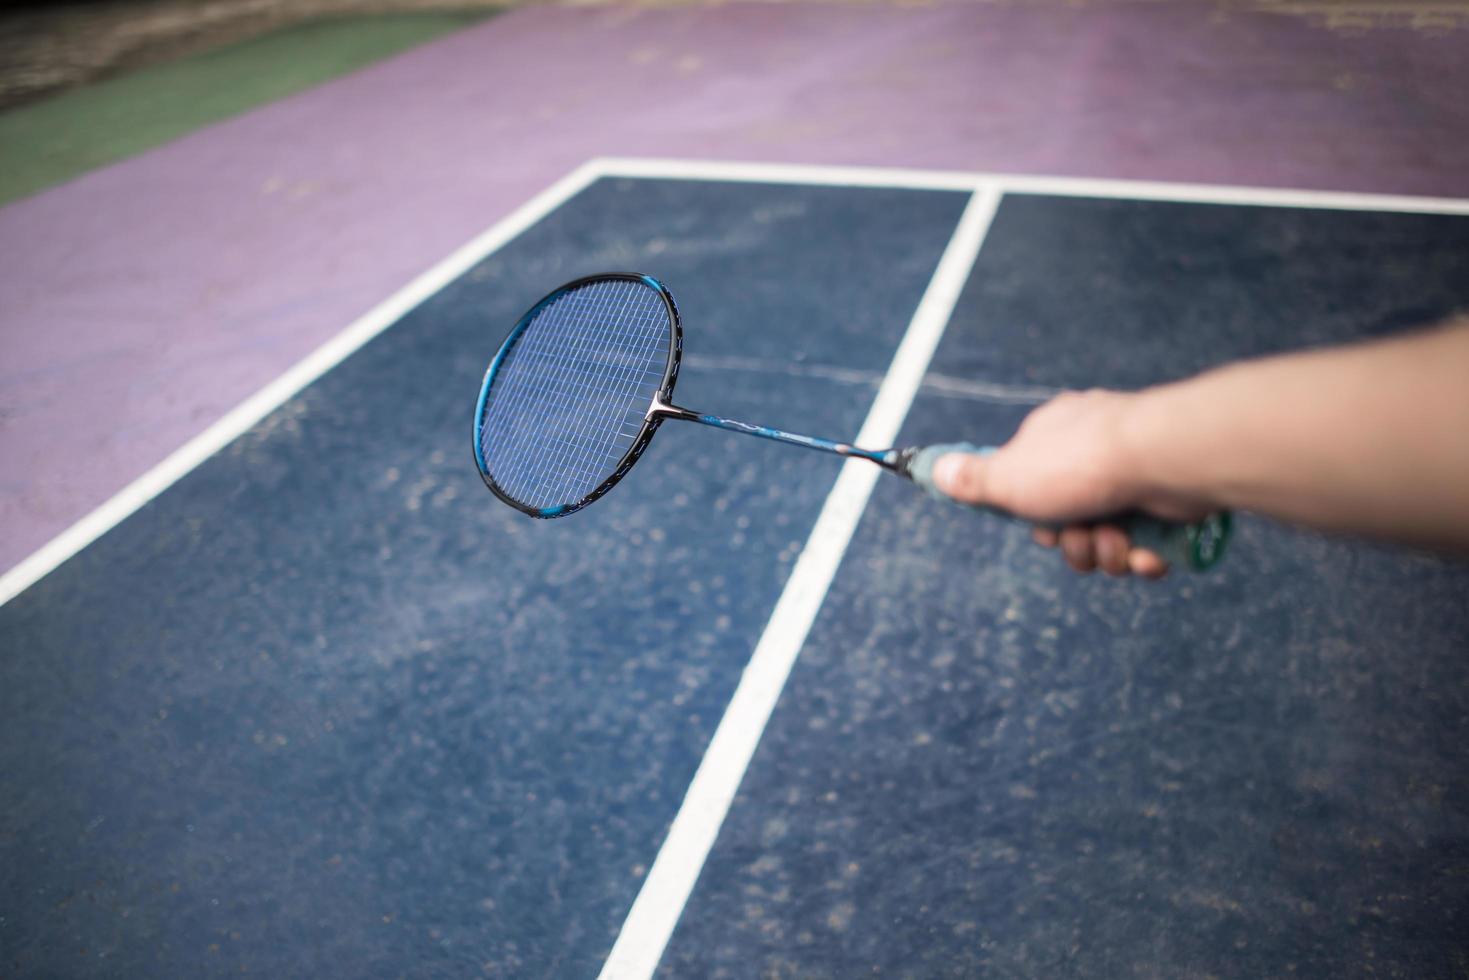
1369,438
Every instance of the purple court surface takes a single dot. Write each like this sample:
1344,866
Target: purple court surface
143,301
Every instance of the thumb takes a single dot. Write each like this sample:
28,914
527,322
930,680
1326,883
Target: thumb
962,476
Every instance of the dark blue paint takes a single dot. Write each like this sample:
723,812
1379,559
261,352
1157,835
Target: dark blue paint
984,765
1165,290
327,708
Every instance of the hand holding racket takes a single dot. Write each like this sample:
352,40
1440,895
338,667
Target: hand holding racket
586,377
1074,458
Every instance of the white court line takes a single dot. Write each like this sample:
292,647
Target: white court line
272,396
788,173
666,889
783,173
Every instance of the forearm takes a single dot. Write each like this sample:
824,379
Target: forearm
1372,438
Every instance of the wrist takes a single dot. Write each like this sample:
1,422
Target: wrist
1151,449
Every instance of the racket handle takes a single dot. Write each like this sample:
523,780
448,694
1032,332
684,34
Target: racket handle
1196,546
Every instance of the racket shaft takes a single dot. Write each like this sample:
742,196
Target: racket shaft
777,435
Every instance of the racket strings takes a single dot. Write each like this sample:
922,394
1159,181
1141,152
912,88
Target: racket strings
569,397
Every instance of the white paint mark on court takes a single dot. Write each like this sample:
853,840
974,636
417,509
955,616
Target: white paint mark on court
1139,190
794,369
659,904
782,173
1259,197
987,391
944,385
272,396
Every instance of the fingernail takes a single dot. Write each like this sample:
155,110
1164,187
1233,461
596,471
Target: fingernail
946,471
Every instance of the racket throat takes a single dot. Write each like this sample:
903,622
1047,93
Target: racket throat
661,409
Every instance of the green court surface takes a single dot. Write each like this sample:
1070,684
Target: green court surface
48,142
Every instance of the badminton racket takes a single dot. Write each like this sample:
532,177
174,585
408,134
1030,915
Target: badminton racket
586,377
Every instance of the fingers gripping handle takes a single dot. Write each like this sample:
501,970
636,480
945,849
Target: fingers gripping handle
1195,546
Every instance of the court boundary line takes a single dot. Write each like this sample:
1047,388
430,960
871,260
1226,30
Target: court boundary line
670,881
958,180
238,420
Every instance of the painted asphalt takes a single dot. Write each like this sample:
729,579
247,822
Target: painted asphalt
984,765
161,292
46,143
328,707
324,707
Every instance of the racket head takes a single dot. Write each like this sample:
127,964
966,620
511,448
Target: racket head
612,343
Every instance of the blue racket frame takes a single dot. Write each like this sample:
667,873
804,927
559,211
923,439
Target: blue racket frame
650,422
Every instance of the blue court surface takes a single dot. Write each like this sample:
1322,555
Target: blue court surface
325,707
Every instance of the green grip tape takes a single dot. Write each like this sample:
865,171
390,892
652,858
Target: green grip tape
1196,546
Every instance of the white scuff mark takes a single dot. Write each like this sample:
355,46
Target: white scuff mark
943,385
